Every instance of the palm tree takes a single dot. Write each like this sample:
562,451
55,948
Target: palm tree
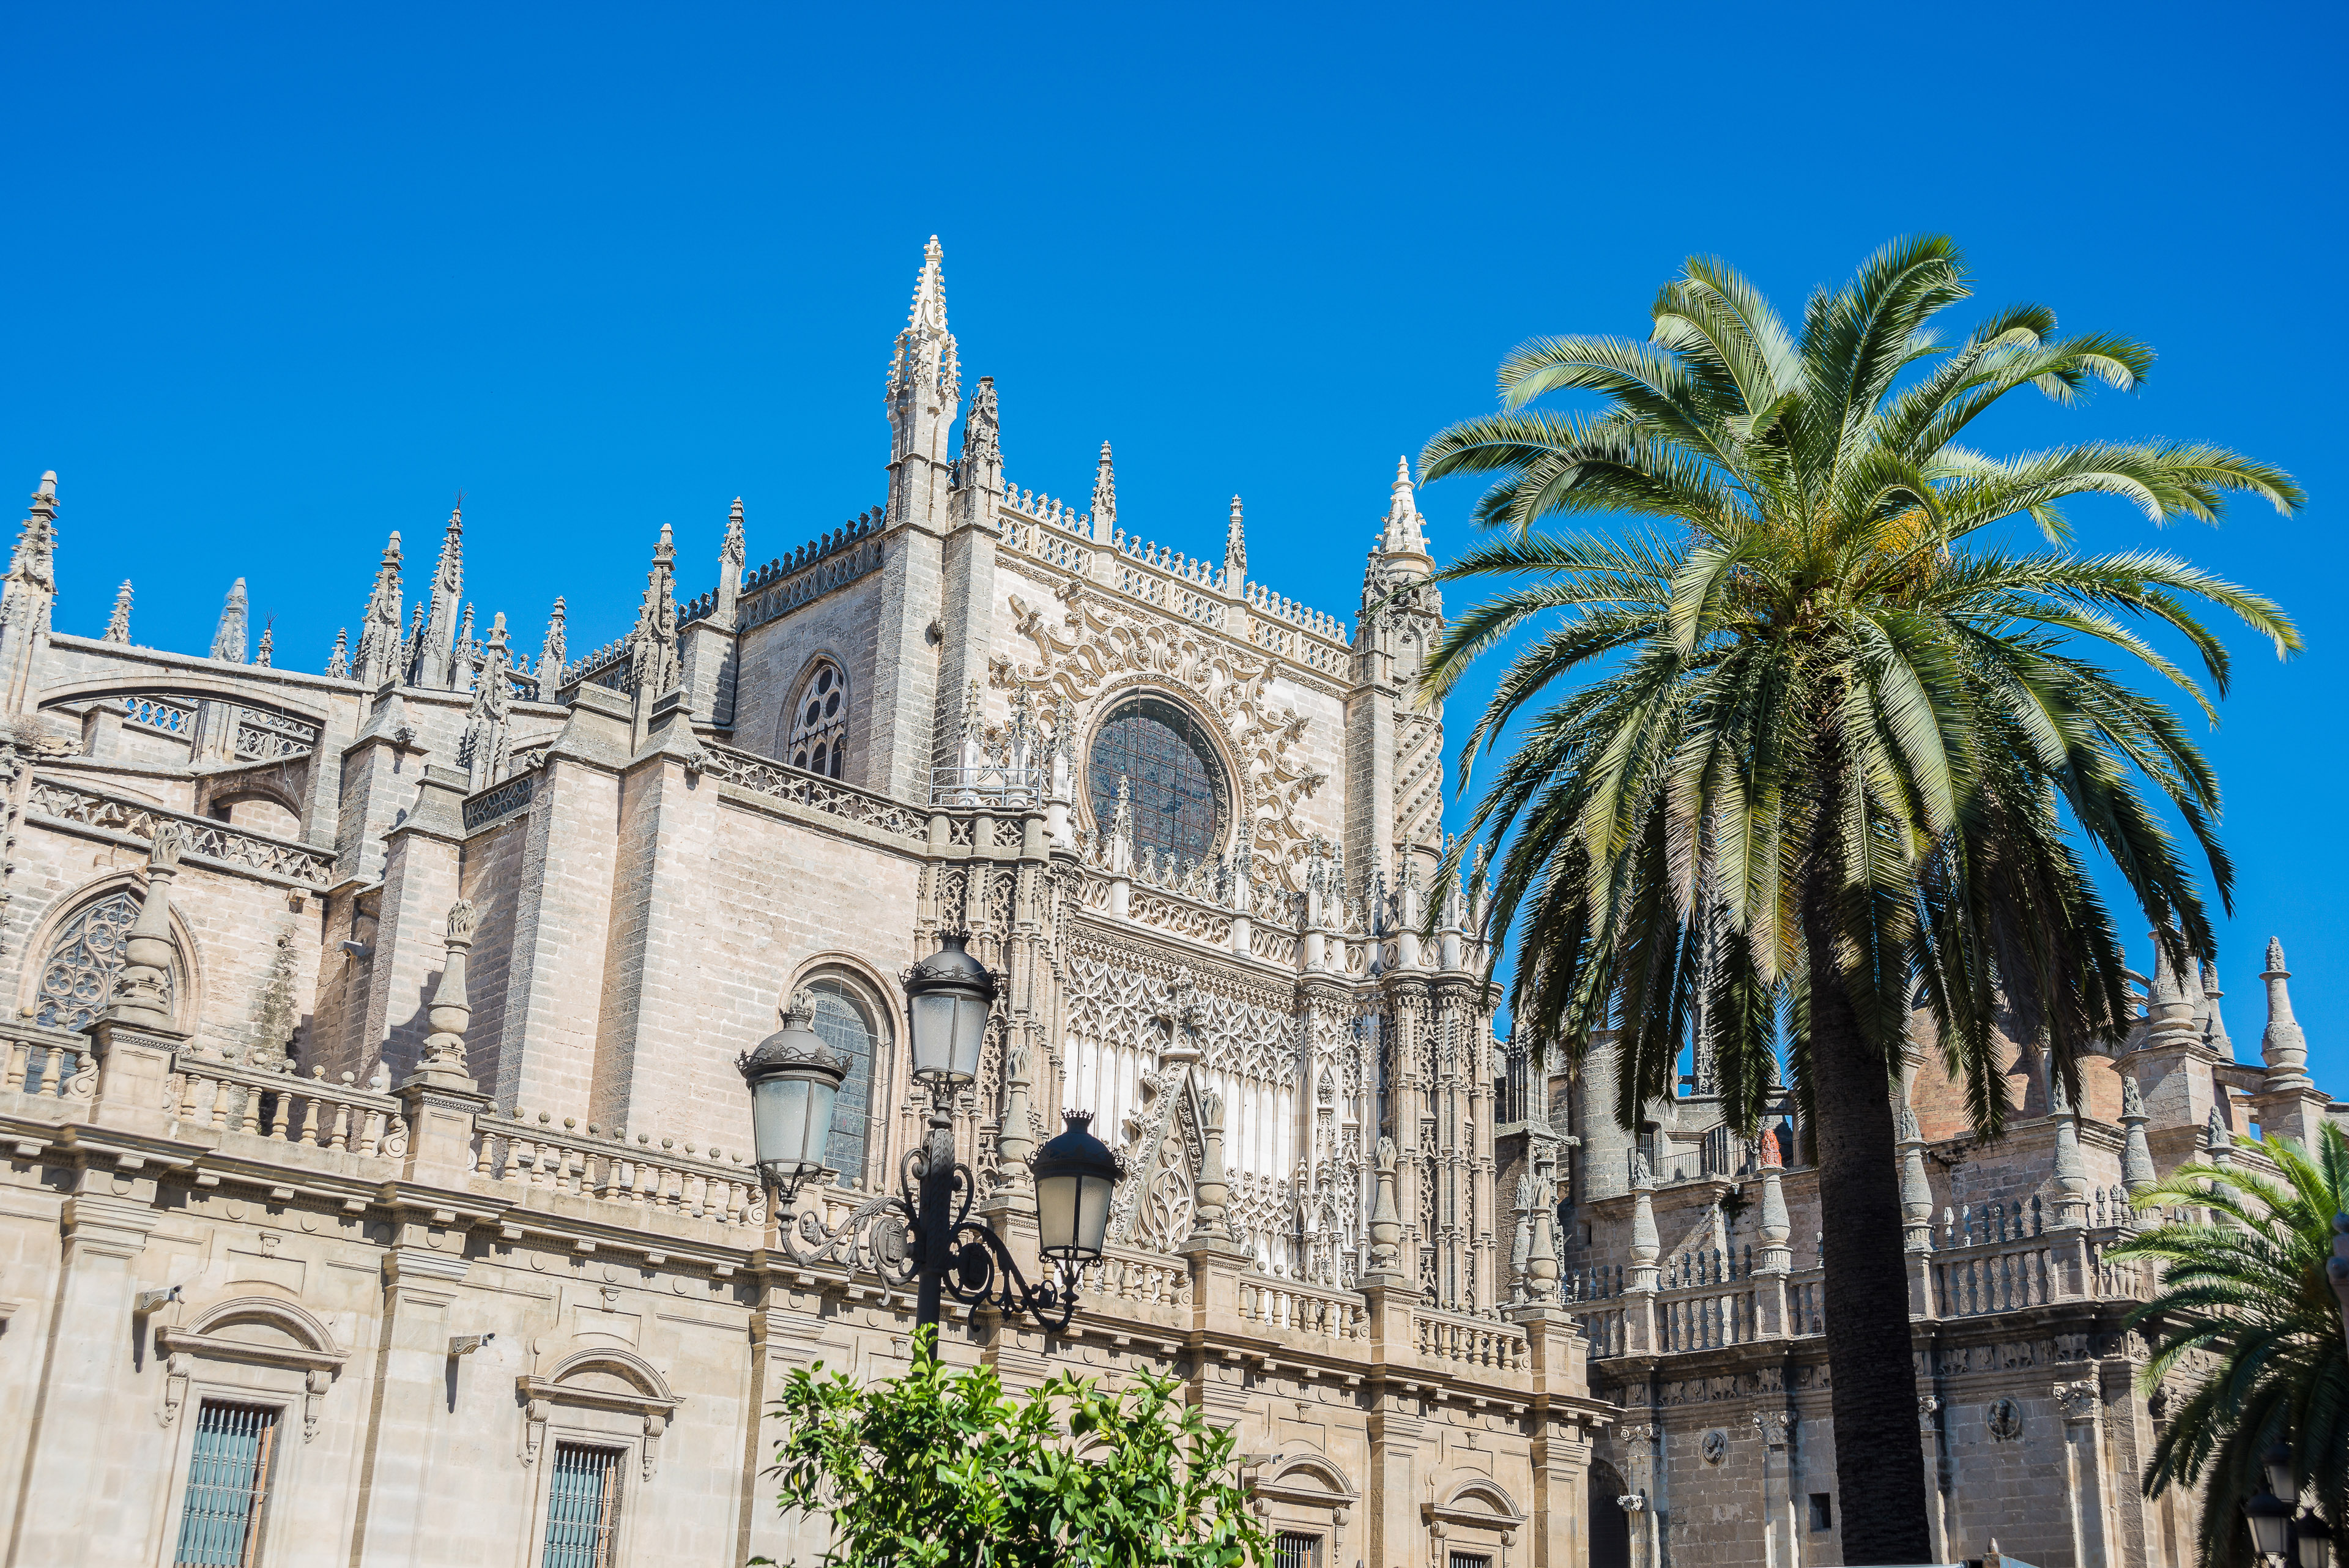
1805,744
2246,1315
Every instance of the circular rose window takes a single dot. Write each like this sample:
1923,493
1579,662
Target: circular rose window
1175,776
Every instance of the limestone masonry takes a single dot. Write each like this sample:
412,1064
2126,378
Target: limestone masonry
380,1192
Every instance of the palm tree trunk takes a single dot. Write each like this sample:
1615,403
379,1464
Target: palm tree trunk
1880,1470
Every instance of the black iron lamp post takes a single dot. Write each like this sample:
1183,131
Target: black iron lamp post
2276,1535
923,1232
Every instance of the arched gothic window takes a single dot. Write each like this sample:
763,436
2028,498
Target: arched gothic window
844,1019
77,981
818,739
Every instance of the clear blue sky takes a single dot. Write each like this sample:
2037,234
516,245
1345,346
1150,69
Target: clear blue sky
282,279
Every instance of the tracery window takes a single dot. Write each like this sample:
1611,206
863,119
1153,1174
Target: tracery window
78,983
844,1021
819,738
1174,772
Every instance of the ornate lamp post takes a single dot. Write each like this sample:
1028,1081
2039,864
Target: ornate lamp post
923,1232
2276,1535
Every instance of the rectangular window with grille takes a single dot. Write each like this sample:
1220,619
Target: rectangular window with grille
1290,1549
583,1510
1470,1560
227,1486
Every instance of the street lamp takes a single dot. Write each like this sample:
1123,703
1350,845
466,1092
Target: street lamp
2315,1540
794,1078
2270,1518
1074,1174
922,1232
2267,1513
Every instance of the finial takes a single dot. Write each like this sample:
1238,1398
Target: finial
228,638
925,349
338,663
732,549
1104,491
47,488
1235,542
118,624
2284,1047
1404,533
268,643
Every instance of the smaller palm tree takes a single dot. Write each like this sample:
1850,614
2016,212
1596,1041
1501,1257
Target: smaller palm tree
2247,1321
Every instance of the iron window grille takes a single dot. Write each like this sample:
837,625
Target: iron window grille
228,1487
583,1510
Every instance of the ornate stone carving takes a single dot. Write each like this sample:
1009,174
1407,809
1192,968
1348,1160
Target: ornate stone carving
1101,647
2002,1418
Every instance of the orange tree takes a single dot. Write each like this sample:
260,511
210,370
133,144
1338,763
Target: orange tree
941,1469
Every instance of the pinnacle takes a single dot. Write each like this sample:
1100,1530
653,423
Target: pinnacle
47,488
1402,474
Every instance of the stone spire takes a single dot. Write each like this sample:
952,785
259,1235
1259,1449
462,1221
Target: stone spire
730,567
460,659
2284,1047
484,752
118,624
550,654
1104,497
924,392
432,652
143,989
338,663
1645,1243
1235,550
2071,1175
1916,1193
2214,1022
30,597
228,638
267,651
652,653
379,658
2169,1011
1405,534
2136,1158
982,442
452,1010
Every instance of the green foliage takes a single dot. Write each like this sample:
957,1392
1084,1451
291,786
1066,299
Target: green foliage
2247,1325
941,1469
1800,715
1806,742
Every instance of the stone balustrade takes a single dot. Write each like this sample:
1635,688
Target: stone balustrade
1475,1345
46,1065
283,1108
64,803
1313,1311
524,1154
779,781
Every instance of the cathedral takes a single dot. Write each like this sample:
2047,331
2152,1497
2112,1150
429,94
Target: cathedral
381,1187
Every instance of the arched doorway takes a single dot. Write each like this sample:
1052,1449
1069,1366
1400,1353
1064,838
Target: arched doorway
1610,1527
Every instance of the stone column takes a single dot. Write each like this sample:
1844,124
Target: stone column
419,883
646,1038
441,1097
1781,1543
1937,1476
395,1523
2081,1404
562,910
1639,1290
1916,1215
134,1039
1778,1260
78,1469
